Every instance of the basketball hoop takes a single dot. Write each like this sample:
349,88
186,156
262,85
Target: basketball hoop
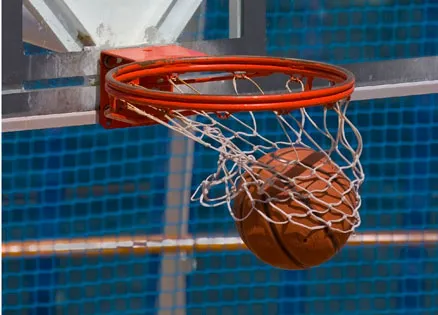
122,83
179,94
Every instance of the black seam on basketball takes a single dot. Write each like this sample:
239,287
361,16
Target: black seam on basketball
336,179
330,235
333,240
308,161
240,223
279,241
243,234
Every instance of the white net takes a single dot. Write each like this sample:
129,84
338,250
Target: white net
240,139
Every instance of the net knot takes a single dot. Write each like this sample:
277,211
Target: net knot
223,115
240,75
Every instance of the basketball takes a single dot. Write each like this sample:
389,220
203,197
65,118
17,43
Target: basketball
295,245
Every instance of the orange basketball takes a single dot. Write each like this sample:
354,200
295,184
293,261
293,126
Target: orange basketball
290,245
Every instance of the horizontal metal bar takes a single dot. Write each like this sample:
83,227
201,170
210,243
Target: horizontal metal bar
372,92
39,67
159,244
50,101
395,78
395,71
49,121
90,117
85,63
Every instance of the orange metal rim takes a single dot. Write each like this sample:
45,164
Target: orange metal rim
117,83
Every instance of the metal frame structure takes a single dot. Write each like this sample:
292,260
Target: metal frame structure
34,109
76,105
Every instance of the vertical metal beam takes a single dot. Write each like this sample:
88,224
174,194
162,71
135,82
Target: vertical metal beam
13,59
235,18
172,281
248,22
413,258
41,270
253,26
201,21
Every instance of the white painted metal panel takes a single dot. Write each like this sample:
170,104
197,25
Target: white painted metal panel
72,25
